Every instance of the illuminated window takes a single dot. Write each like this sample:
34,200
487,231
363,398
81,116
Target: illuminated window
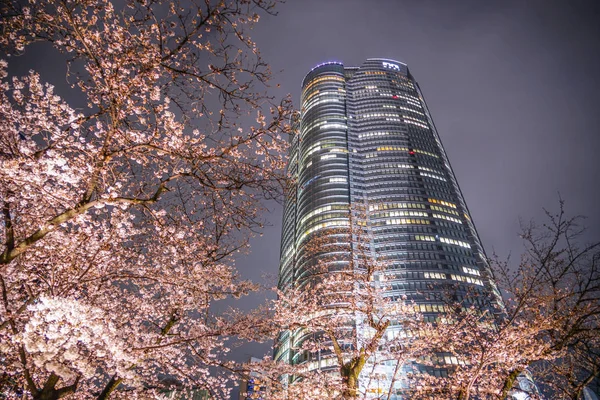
447,218
444,209
471,271
391,206
338,180
329,224
405,221
434,275
331,126
392,148
442,202
468,279
425,238
425,152
455,242
329,78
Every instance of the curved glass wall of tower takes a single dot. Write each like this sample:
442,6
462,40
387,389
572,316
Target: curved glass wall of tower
367,138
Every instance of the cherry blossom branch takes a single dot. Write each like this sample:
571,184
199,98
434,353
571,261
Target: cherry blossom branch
9,255
8,225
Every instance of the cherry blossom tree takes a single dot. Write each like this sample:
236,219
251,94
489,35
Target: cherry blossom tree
549,326
346,319
121,215
543,335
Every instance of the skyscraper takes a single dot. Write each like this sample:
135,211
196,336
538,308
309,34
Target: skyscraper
366,137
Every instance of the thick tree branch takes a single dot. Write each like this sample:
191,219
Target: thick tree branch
49,226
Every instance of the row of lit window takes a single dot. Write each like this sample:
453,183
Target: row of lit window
442,202
422,121
414,104
310,96
333,125
433,176
372,134
455,242
401,214
330,78
431,308
321,210
447,218
322,144
336,94
404,221
444,240
468,279
328,156
338,179
392,148
425,238
411,110
420,125
364,92
374,73
452,360
326,217
394,230
391,206
315,147
376,115
407,85
389,94
318,122
435,171
329,224
434,275
460,278
471,271
404,82
321,101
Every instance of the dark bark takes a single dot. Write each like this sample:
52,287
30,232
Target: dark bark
509,382
49,391
110,387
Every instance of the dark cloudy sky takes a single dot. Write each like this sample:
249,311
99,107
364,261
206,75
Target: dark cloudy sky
513,87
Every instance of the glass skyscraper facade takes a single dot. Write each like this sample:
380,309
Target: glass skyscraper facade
365,137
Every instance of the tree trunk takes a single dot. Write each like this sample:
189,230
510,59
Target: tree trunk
509,382
110,386
49,391
350,373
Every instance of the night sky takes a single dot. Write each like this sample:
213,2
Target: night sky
512,86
